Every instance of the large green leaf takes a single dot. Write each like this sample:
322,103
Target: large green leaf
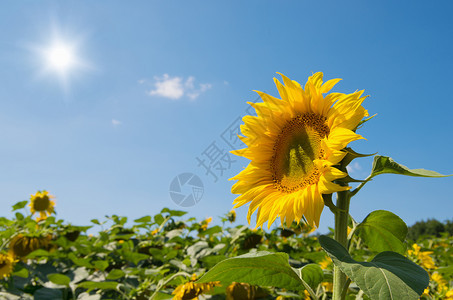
115,274
101,264
173,213
260,268
93,285
20,205
388,276
145,219
312,274
386,165
382,230
59,279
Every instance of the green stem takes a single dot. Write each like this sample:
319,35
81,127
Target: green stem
341,231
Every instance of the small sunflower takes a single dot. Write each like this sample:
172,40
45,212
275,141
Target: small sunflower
41,202
422,257
242,291
191,290
21,245
6,265
231,216
293,144
205,223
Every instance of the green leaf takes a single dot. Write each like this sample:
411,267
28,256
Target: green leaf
260,268
101,264
312,275
95,221
38,253
136,257
174,213
382,230
59,279
386,165
81,262
211,260
20,205
115,274
19,216
388,276
211,231
145,219
92,285
21,273
159,219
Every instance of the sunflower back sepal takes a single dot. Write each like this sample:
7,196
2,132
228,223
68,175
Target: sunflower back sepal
350,156
348,179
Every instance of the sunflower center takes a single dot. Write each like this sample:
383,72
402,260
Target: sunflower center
41,203
296,147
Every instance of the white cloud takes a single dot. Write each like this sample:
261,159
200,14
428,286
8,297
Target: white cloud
176,87
354,167
116,122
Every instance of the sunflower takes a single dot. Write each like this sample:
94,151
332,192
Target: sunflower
294,144
41,202
205,223
238,290
423,257
6,265
22,245
191,290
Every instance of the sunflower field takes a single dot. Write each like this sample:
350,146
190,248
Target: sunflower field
162,256
298,147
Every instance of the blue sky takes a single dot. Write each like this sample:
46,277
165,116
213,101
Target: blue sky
157,82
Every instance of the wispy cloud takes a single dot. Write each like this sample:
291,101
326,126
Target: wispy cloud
116,123
355,167
176,87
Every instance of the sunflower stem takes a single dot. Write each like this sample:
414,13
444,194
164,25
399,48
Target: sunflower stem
341,231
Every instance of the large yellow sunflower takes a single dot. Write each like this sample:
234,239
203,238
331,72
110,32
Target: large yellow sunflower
41,202
294,144
6,265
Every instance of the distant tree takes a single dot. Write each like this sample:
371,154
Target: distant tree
449,227
431,227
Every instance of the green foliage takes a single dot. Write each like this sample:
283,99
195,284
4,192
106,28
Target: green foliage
152,255
260,268
386,165
389,275
383,231
431,227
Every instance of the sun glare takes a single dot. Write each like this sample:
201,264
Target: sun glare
60,57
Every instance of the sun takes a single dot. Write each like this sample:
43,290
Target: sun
60,57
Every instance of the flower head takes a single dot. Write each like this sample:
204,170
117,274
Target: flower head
423,257
22,245
41,202
6,265
191,290
231,216
294,144
205,223
238,290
